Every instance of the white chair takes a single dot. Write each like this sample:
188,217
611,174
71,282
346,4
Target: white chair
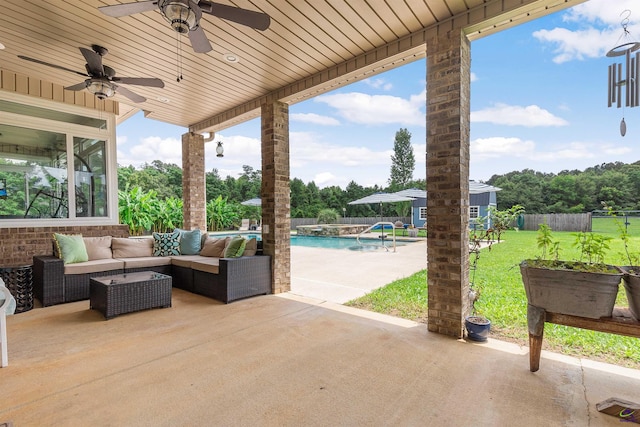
245,225
7,306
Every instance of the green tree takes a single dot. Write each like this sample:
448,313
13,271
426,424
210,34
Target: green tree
403,162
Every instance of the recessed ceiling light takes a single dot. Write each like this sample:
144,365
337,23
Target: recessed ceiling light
230,57
163,99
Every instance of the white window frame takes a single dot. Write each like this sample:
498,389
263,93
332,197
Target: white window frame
423,213
477,212
70,130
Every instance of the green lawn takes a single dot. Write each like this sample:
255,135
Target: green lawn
503,300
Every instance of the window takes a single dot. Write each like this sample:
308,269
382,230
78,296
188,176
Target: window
54,163
474,212
423,213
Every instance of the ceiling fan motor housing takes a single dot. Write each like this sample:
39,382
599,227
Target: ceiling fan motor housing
183,15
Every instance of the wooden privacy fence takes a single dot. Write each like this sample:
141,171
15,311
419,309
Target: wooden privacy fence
559,222
351,220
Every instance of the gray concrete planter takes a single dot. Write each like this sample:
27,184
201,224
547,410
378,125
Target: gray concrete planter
632,288
571,292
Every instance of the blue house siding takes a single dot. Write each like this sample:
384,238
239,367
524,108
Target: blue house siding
481,197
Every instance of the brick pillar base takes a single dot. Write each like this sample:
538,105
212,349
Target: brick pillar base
275,194
448,114
194,193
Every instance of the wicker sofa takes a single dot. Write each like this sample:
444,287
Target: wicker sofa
224,279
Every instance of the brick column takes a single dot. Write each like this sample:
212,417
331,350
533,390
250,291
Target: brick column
194,194
448,116
275,193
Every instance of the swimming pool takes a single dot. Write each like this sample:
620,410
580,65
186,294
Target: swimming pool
340,243
325,242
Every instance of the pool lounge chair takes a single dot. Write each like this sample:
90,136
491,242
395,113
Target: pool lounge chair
244,225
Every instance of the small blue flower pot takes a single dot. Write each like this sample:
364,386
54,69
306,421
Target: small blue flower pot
477,328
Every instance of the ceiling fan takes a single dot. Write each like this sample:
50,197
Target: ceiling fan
184,16
102,79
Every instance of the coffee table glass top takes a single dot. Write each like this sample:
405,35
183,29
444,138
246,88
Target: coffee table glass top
140,276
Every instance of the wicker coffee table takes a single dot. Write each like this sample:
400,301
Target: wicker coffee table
129,292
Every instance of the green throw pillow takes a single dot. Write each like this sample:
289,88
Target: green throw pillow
71,248
235,247
166,244
189,241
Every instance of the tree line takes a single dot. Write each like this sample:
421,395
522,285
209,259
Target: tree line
616,185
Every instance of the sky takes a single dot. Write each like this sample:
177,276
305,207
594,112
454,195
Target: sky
538,101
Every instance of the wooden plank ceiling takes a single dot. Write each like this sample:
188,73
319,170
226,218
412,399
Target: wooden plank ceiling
310,47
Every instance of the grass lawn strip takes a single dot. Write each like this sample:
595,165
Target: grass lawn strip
503,299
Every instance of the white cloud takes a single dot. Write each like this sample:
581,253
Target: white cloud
363,108
495,147
513,115
315,119
307,149
505,148
474,77
152,148
121,140
616,150
600,30
323,179
378,84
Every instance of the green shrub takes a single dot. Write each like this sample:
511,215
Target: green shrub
328,216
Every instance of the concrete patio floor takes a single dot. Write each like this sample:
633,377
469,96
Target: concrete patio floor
284,360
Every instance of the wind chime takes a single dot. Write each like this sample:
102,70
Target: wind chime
624,74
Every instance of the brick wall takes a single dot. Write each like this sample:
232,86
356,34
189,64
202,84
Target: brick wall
448,113
276,199
193,182
19,245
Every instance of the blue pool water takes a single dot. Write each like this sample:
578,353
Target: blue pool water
326,242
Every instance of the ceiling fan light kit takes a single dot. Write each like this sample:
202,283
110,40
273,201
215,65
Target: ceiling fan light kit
101,89
179,13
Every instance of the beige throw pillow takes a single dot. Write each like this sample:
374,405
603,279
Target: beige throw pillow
131,248
214,247
251,248
98,247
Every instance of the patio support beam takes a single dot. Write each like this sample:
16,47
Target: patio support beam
275,193
194,193
448,117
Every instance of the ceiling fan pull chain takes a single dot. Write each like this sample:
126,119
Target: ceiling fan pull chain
178,70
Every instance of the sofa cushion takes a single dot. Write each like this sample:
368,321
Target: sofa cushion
235,247
124,247
98,247
185,260
166,244
70,247
94,266
251,247
190,241
214,247
147,261
208,265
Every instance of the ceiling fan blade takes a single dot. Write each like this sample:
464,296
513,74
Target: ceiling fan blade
199,41
140,81
77,87
118,10
126,92
37,61
250,18
94,62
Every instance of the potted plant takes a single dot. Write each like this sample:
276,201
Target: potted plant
585,288
477,326
632,270
412,230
